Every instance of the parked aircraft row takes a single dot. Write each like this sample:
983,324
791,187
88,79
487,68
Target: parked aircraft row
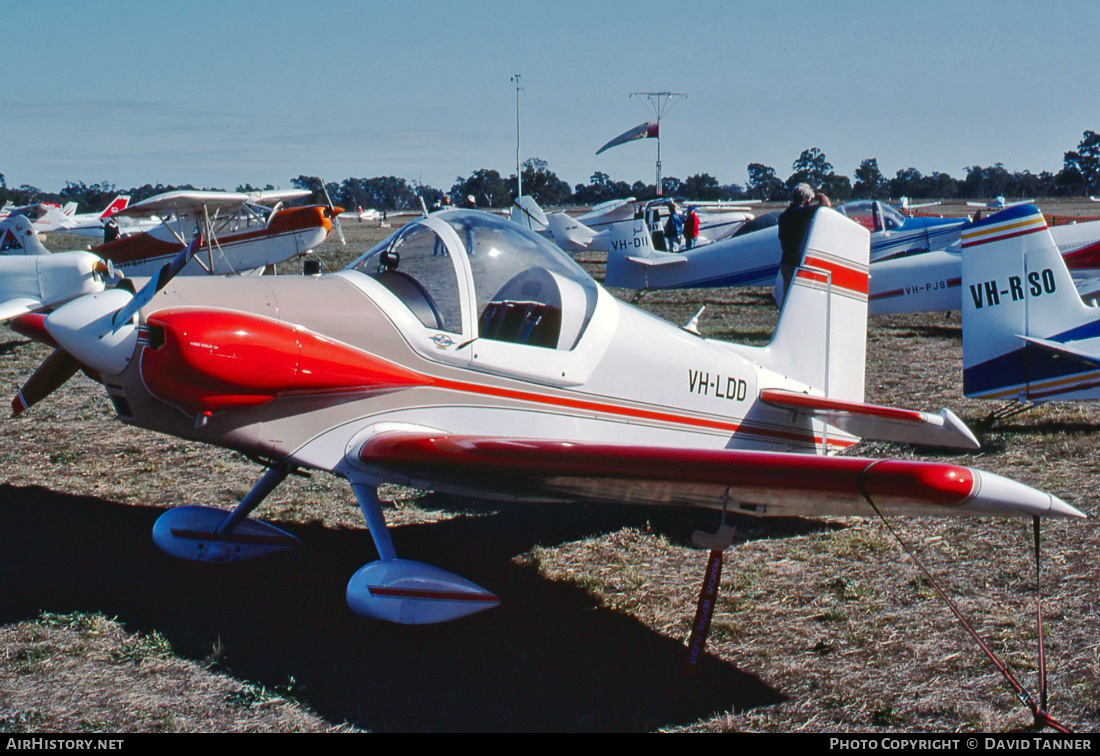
915,261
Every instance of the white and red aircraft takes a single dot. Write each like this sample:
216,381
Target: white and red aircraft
242,233
360,215
91,224
467,354
31,278
44,216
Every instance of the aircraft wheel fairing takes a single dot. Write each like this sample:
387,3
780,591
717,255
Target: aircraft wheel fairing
191,532
414,593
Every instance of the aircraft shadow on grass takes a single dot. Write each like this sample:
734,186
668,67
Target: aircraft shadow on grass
548,658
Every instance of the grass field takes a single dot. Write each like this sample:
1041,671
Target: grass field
822,625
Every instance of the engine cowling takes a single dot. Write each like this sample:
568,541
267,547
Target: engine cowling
210,360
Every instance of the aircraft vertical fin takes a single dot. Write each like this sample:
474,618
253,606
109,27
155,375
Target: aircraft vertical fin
821,338
1017,289
628,239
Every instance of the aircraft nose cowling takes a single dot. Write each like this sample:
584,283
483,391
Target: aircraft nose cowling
211,360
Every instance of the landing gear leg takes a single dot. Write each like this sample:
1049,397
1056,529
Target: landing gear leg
717,542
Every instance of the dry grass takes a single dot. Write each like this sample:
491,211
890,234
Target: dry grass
822,625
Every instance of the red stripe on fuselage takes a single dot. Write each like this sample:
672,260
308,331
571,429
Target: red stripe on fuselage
1085,258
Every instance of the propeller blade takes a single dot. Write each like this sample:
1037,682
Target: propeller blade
166,274
334,214
339,229
59,367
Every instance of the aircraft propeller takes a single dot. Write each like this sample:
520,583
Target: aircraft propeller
334,215
92,332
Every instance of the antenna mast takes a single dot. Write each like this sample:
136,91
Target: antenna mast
659,103
519,174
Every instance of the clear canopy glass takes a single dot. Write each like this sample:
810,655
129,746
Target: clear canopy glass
874,215
526,289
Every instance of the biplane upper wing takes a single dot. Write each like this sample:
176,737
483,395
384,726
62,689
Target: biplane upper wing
190,202
755,482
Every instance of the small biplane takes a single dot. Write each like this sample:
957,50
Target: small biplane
242,232
467,354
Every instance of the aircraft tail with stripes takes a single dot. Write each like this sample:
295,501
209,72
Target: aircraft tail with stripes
1027,335
821,337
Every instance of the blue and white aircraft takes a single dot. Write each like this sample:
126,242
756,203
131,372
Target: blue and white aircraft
752,258
1028,336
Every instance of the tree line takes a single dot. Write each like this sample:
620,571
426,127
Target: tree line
1079,176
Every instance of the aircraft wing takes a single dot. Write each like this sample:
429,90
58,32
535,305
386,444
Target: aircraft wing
878,423
18,306
192,202
1063,350
759,483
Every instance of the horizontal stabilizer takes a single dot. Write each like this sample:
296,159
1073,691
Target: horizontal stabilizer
659,258
17,306
878,423
1064,350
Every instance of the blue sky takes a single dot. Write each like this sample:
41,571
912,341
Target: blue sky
220,93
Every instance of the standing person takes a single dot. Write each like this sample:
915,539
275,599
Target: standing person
794,222
674,227
111,231
691,228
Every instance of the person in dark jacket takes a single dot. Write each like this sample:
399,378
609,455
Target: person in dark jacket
111,231
794,222
674,227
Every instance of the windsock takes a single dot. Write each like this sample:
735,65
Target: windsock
642,131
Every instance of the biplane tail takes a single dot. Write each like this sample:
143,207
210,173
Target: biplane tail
1022,313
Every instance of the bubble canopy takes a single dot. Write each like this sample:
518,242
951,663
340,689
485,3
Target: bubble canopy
526,290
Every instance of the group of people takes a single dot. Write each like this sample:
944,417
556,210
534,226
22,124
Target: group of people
794,223
677,226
